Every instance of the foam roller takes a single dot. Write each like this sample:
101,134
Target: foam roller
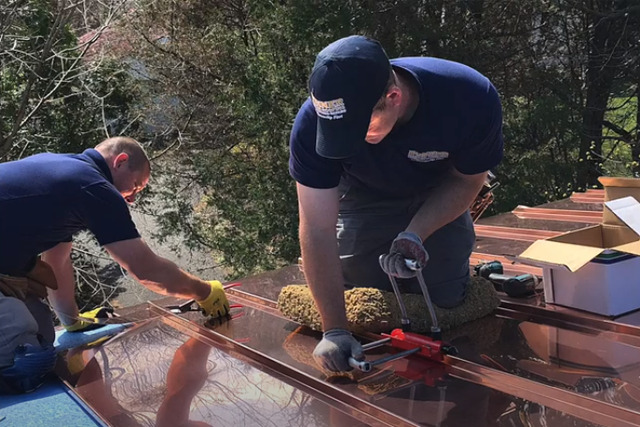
373,310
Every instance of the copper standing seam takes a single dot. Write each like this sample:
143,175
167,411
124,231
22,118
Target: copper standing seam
566,401
342,400
589,217
510,233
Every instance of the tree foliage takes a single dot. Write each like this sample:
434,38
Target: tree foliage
52,97
60,93
222,82
232,74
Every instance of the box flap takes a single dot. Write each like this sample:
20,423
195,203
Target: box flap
557,253
627,210
614,181
616,188
588,236
630,248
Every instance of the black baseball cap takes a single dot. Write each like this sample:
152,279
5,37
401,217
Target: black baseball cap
348,78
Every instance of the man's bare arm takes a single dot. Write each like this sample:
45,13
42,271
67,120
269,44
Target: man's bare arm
318,209
62,299
154,272
446,203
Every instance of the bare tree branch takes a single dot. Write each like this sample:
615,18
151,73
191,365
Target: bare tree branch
35,65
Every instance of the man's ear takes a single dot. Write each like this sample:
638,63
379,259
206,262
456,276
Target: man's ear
120,160
394,96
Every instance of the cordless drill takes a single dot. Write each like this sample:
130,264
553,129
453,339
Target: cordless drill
514,286
484,269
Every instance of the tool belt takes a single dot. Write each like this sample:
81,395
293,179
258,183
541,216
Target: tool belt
34,283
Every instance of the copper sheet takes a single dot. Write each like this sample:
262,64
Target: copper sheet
167,376
526,366
297,355
349,403
509,233
627,325
590,196
509,346
511,220
587,217
570,402
433,398
571,205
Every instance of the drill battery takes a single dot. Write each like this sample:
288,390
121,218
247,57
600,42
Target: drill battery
520,286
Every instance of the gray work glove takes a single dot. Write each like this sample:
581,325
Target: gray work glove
333,352
405,246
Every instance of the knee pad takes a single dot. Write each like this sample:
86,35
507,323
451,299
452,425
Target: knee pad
17,326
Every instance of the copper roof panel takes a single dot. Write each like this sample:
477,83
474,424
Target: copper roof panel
529,364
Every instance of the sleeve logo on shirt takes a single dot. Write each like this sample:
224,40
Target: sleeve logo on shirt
427,156
330,110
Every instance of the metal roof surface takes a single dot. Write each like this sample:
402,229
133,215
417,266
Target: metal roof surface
528,364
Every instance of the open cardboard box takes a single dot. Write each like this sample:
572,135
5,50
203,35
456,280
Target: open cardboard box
596,268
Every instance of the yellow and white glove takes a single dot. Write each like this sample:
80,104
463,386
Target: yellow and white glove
216,304
86,325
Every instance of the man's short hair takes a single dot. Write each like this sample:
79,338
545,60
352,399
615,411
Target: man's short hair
382,104
138,158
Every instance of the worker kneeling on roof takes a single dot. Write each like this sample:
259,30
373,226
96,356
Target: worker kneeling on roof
393,152
44,200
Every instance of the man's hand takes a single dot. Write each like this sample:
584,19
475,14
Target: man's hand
406,246
333,352
216,303
87,325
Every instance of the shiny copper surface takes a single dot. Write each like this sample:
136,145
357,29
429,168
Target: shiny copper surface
298,344
529,364
349,403
590,196
588,217
127,383
571,205
626,325
561,399
524,234
169,375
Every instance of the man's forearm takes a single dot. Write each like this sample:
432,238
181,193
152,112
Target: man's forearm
322,271
155,272
168,279
446,203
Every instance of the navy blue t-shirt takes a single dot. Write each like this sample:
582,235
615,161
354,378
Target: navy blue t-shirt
46,198
458,123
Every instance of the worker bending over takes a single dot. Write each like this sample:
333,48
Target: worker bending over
44,200
393,152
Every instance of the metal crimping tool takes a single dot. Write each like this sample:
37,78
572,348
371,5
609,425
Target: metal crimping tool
191,304
431,347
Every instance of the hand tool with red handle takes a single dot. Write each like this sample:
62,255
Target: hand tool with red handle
432,348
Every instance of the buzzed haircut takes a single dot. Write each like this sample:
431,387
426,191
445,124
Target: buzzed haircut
382,104
138,158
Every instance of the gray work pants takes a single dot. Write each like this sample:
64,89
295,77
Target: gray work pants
366,228
23,322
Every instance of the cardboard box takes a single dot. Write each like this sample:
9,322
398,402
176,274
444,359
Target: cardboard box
596,268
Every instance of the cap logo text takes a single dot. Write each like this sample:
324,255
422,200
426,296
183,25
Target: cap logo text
427,156
329,110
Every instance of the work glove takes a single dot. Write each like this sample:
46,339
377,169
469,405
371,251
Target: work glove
87,325
406,246
216,303
333,352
